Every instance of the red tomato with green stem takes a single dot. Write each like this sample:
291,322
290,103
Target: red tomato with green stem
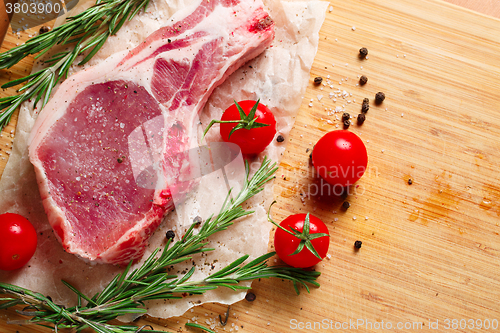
248,124
301,240
18,241
340,157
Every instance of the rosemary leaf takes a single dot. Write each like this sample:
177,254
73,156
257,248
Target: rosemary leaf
73,289
10,303
206,329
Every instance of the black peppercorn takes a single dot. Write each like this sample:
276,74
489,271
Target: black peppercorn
361,118
366,101
170,234
379,97
357,244
250,297
347,123
197,221
44,29
280,138
365,108
410,181
362,80
346,116
363,52
318,80
346,205
120,160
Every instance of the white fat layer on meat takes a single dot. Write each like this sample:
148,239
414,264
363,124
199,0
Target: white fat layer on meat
278,77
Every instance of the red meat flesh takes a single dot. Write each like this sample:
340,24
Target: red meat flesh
108,148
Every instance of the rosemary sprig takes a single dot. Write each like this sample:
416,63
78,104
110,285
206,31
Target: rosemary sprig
87,31
128,291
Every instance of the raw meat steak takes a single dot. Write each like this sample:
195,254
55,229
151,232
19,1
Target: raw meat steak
108,148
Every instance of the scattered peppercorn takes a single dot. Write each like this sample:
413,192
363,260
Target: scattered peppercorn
280,138
250,297
366,101
379,97
365,108
318,80
311,158
44,29
346,205
410,181
362,80
346,116
361,118
347,123
170,234
357,244
120,160
363,52
197,221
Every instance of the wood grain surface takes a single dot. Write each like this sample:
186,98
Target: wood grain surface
488,7
431,250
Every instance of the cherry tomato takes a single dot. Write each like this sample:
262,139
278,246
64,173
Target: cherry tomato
286,244
250,141
17,241
340,157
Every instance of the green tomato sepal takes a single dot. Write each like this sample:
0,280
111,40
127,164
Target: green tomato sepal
245,122
304,236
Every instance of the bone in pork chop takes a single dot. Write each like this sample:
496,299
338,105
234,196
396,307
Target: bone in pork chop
107,149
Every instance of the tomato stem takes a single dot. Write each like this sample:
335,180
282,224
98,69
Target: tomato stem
245,122
304,236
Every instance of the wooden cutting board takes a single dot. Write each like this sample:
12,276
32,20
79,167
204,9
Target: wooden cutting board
431,250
